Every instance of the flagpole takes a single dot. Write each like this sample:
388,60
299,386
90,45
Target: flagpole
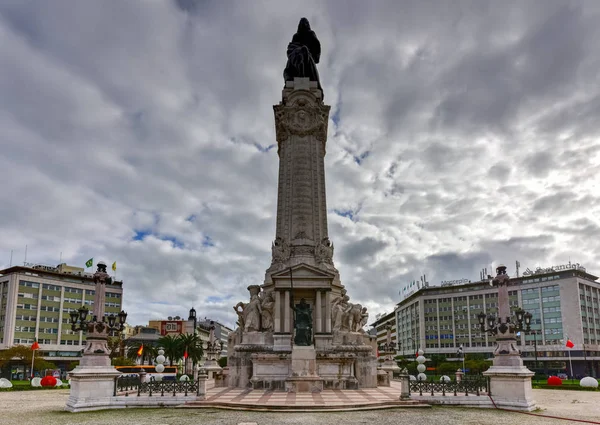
32,358
571,363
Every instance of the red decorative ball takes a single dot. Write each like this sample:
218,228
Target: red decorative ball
554,380
48,381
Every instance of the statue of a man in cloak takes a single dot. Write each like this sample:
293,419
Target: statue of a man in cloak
303,54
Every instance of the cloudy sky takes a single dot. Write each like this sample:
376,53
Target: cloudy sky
461,134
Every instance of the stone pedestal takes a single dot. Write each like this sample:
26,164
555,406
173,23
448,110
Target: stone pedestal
202,378
282,342
92,387
212,368
390,367
383,379
404,385
269,371
510,387
303,374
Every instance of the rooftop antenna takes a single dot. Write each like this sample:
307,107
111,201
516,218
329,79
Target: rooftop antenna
25,261
518,265
11,252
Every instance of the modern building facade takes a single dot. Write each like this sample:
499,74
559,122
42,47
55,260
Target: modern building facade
380,326
35,302
564,303
221,332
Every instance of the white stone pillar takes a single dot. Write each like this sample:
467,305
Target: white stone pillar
277,318
328,311
286,313
318,315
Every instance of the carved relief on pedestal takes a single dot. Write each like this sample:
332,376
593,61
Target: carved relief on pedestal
324,252
301,114
280,251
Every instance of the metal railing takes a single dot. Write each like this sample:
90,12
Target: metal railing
465,387
126,385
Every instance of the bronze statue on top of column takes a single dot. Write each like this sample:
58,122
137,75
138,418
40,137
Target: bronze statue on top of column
303,52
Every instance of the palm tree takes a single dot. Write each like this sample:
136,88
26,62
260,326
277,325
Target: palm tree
149,352
173,348
192,344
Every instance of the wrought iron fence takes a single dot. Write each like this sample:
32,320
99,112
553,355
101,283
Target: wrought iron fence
129,385
466,387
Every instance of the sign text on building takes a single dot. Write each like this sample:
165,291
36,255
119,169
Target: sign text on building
454,282
540,270
171,327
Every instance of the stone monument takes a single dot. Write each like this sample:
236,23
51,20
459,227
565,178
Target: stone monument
319,342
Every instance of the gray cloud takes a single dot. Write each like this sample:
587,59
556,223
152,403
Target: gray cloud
465,134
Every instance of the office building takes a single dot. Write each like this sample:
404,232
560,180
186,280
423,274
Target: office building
563,301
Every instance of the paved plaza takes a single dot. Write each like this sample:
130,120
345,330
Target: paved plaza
327,399
47,407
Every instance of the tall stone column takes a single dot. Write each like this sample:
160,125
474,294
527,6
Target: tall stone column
287,318
301,129
318,313
277,312
328,311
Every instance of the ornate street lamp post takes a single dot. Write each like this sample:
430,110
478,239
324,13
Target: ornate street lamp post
99,327
510,380
213,347
504,327
93,380
388,348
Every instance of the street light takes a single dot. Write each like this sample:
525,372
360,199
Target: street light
495,325
461,353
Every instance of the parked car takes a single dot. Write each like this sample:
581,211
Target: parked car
562,376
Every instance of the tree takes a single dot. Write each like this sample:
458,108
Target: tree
148,353
173,348
122,361
114,346
192,344
21,354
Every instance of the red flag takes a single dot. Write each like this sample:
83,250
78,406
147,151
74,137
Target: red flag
35,346
141,350
185,354
569,344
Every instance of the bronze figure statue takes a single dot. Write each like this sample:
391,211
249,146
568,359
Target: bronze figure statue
303,52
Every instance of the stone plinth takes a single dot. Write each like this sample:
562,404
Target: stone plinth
383,379
257,338
510,387
212,368
303,371
269,371
390,367
92,387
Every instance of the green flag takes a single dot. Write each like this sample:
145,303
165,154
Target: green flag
90,262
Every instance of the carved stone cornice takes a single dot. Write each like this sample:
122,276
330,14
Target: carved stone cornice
301,113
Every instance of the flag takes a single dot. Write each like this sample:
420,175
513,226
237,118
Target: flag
185,354
569,344
114,266
141,350
90,262
378,352
35,346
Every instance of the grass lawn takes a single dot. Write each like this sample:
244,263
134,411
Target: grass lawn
26,386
